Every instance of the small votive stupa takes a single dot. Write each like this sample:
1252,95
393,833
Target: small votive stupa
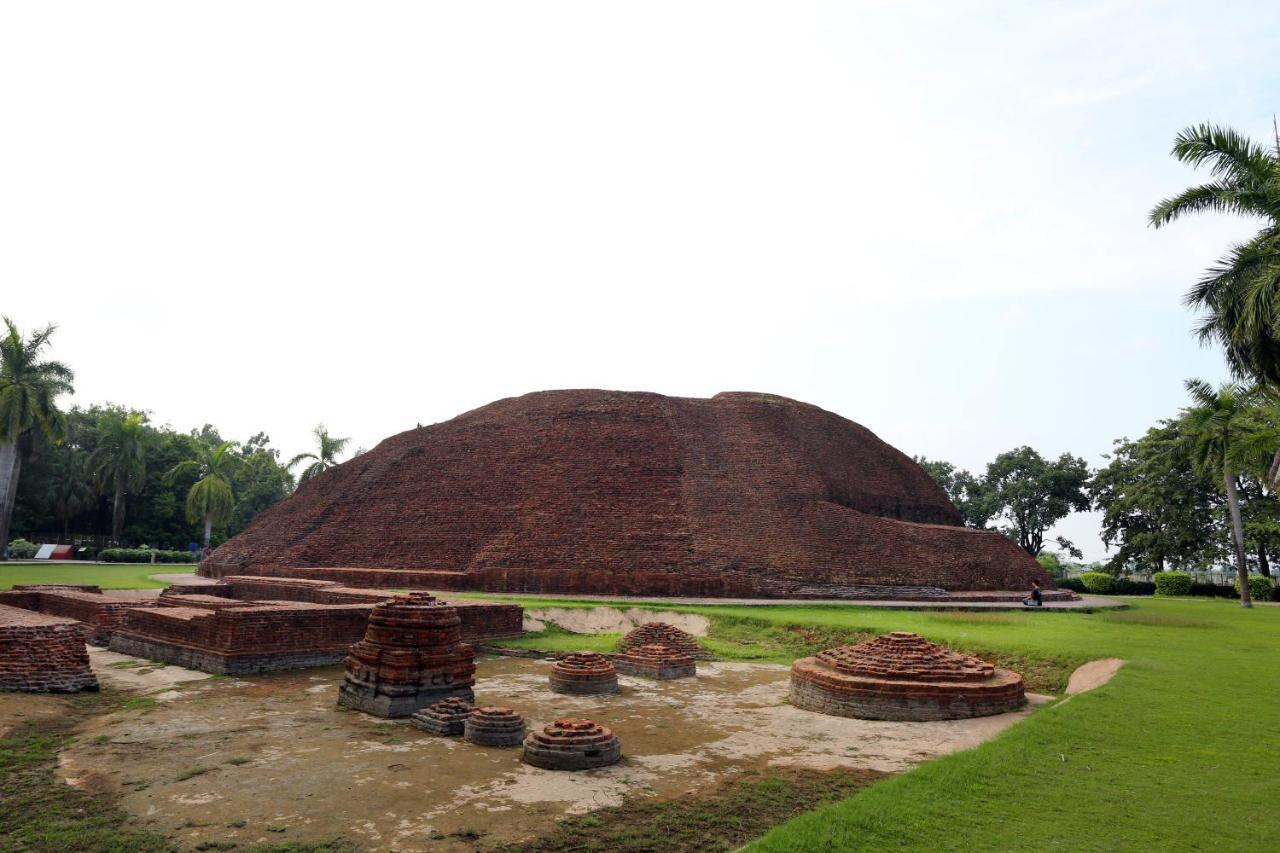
412,655
664,634
572,744
493,726
584,674
902,676
446,717
655,661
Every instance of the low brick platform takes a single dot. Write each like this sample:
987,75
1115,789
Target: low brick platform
655,661
494,726
584,674
572,744
446,718
902,676
663,634
412,656
42,654
99,615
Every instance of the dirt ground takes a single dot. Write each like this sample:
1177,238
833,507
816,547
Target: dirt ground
270,758
610,620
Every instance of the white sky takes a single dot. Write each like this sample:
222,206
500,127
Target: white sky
928,217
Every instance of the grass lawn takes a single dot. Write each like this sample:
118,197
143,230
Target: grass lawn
105,575
1181,750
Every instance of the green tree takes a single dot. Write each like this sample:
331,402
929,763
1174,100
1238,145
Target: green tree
1223,437
325,457
71,487
259,482
120,461
1155,506
29,389
1240,294
1031,494
965,490
210,500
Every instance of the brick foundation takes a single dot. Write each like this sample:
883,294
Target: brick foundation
99,614
493,726
572,744
42,654
657,662
584,674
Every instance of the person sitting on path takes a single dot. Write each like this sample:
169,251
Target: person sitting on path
1036,598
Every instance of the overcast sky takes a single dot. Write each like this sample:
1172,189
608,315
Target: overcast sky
927,217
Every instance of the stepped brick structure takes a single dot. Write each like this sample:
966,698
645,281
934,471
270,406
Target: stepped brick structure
42,654
662,634
584,674
572,744
411,656
447,717
902,676
655,661
493,726
98,615
608,492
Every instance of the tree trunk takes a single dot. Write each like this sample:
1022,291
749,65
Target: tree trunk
1263,566
117,512
1237,528
10,467
208,527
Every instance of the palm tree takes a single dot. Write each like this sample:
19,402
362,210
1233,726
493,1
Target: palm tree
210,499
29,389
72,491
1222,434
120,461
325,457
1240,294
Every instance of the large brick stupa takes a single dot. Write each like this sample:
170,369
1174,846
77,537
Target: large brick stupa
742,494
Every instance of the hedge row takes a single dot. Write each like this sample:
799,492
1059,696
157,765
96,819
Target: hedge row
1113,586
143,555
1174,583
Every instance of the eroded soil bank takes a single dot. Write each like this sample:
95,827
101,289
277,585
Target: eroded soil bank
272,759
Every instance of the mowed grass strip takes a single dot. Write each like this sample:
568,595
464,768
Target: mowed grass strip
105,575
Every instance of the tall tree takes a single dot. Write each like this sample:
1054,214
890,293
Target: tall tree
72,489
210,500
1031,494
1222,434
1240,294
120,461
325,457
966,491
29,390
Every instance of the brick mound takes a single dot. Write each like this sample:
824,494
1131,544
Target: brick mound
572,744
655,661
584,674
491,726
42,654
662,634
605,492
902,676
412,655
447,717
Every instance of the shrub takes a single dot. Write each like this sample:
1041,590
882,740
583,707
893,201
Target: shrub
1259,587
1073,584
21,549
1213,590
1097,582
1124,586
1172,583
143,555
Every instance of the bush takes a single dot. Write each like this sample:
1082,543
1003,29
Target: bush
21,549
1073,584
1259,588
1172,583
143,555
1124,586
1096,582
1213,590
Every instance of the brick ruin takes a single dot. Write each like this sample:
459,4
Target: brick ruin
662,634
494,726
411,656
607,492
446,718
655,661
572,744
584,674
242,625
902,676
42,654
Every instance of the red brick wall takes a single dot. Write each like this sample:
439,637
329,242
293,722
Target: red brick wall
41,653
102,614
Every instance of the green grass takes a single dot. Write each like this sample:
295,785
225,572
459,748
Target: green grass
105,575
